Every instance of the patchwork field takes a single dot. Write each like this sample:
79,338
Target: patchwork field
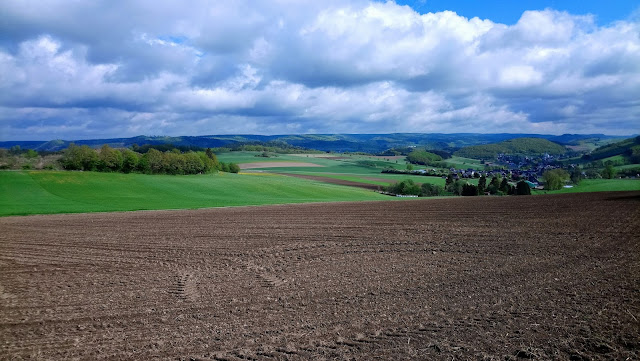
493,278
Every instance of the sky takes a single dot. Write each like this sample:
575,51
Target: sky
103,69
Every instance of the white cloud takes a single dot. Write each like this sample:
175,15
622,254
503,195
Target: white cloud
82,69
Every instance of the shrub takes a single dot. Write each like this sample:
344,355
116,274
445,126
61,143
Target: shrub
193,164
555,179
79,158
523,189
456,187
609,172
407,187
430,190
234,168
469,190
110,159
130,160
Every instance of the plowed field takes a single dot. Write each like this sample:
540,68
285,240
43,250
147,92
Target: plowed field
543,277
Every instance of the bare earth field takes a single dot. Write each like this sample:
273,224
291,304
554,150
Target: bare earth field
493,278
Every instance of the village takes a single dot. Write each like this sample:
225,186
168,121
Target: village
513,167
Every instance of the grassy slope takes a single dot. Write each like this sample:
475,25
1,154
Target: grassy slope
250,157
348,165
512,146
348,168
392,178
71,192
464,163
599,185
614,149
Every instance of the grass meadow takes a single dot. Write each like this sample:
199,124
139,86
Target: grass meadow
43,192
599,185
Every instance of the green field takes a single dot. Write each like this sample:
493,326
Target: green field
599,185
390,178
250,157
42,192
464,163
354,164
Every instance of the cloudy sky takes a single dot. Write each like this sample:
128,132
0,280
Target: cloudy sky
100,69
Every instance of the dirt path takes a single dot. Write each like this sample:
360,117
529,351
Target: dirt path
493,278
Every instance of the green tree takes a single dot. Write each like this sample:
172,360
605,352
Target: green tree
31,154
409,166
234,168
193,164
592,174
110,160
153,162
634,156
15,150
79,158
523,189
448,181
576,175
207,162
130,160
456,187
609,172
555,178
406,187
482,185
431,190
174,162
469,190
504,186
494,185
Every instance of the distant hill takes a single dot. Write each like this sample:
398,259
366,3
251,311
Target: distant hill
369,143
523,146
627,148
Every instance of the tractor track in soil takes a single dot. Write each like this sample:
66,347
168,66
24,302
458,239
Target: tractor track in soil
493,278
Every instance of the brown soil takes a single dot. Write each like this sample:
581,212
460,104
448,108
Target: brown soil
490,278
277,165
341,182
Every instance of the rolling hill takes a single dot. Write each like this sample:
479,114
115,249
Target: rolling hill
627,148
369,143
521,146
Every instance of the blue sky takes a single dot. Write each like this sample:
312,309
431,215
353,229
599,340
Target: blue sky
100,69
509,11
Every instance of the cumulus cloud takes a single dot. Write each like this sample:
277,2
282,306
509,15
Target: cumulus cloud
105,69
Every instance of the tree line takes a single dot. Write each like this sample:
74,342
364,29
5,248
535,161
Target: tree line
108,159
459,187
